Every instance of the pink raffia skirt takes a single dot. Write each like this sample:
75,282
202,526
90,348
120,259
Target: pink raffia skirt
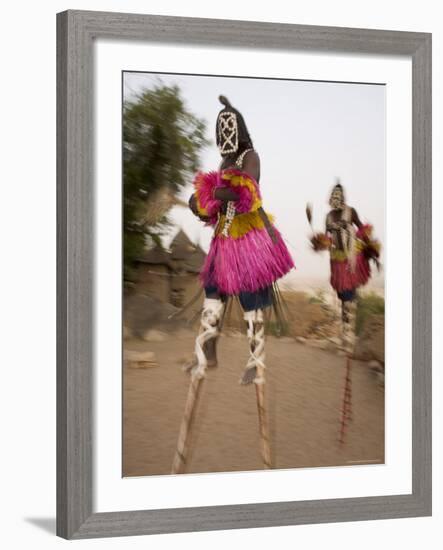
245,264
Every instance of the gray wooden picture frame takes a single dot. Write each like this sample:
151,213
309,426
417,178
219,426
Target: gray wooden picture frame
76,32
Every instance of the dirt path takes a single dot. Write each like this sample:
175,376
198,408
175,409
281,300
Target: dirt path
304,398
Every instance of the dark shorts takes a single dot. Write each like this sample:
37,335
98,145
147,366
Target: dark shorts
346,295
248,300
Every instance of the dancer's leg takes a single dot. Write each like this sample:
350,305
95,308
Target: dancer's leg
212,313
349,309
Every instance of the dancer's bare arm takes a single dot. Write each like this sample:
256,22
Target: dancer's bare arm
355,218
251,166
225,194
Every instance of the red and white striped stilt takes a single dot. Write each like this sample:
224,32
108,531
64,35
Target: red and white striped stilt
348,327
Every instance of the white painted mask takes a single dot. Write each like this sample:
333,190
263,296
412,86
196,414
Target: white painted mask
227,131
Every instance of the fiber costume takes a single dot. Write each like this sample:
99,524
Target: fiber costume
247,256
243,257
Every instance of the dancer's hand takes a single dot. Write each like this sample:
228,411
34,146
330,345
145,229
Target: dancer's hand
225,194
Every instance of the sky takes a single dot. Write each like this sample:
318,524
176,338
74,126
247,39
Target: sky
307,134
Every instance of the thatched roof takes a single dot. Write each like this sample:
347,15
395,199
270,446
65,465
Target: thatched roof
183,251
155,256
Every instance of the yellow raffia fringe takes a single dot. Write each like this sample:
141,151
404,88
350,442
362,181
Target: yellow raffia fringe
341,255
202,211
244,181
243,223
376,245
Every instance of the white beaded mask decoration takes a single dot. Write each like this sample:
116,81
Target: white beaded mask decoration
227,128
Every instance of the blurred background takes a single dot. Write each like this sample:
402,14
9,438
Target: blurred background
307,134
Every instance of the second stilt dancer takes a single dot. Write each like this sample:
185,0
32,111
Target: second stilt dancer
246,257
351,247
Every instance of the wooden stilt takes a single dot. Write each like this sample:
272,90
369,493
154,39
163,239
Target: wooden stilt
263,420
179,462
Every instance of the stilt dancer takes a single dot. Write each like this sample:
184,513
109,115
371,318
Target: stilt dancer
350,251
246,257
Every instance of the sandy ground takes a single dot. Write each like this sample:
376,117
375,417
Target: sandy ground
304,392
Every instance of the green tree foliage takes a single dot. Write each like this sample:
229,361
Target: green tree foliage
161,146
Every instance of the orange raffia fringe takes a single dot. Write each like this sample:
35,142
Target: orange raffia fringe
320,241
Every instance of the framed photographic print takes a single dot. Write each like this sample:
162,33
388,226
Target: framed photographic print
244,274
